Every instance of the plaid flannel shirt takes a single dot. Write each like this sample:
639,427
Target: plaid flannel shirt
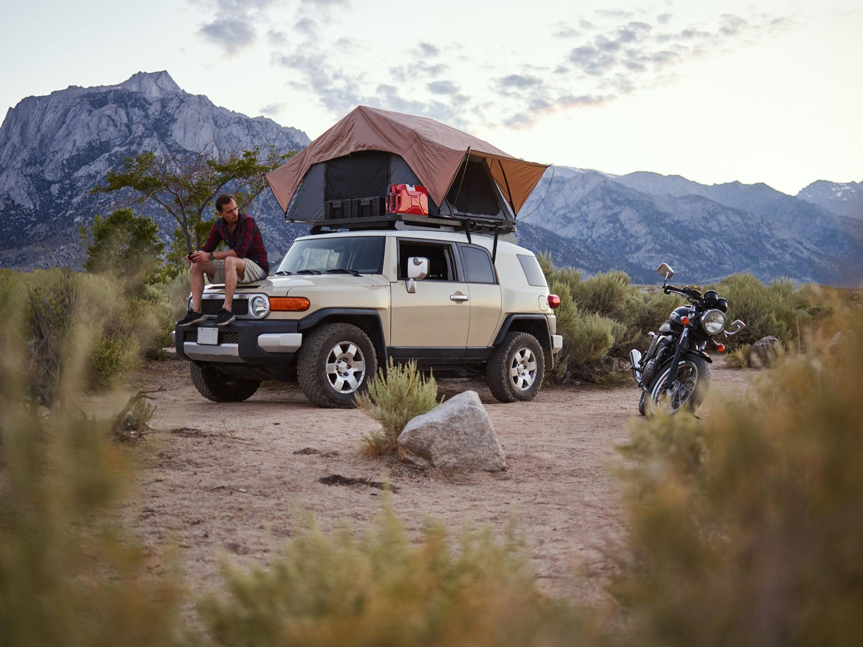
246,240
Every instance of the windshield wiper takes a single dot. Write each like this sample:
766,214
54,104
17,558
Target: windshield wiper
344,271
309,272
283,273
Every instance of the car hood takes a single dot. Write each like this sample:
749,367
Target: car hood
284,285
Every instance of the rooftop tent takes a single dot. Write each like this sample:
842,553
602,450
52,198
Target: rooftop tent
369,149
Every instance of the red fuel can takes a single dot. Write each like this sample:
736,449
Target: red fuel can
409,199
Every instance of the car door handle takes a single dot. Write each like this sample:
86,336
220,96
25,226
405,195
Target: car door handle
458,297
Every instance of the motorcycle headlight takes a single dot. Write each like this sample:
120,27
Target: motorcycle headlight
259,306
713,322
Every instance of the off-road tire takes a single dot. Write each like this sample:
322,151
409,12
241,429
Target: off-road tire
312,364
702,386
497,371
221,388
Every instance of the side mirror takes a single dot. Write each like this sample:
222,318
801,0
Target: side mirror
418,269
738,326
665,270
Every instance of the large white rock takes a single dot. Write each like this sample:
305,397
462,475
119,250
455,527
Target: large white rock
457,434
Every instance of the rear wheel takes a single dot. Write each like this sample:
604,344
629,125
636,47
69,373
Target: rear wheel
335,363
515,370
219,387
686,393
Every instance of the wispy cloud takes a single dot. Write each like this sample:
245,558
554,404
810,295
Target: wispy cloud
599,58
232,28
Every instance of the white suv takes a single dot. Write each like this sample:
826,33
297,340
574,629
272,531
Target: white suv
340,304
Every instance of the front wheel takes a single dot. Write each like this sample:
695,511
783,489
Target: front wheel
335,363
219,387
515,370
688,390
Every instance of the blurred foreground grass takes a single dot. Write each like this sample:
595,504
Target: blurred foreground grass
746,529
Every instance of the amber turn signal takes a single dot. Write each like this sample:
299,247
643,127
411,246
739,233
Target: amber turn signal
684,321
720,348
289,304
553,301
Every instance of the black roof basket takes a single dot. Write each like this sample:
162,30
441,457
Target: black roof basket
475,224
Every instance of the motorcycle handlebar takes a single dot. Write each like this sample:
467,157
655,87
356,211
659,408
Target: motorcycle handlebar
692,295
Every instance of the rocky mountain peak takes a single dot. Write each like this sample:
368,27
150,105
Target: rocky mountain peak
150,84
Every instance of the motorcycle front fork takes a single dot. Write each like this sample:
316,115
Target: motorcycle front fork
678,353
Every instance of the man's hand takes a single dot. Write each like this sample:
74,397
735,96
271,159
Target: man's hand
199,257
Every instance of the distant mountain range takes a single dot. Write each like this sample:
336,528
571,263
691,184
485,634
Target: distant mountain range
54,149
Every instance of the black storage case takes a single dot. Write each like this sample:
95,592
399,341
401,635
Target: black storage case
354,208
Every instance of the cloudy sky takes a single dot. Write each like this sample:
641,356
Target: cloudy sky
760,90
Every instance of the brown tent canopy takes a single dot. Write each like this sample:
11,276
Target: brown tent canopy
435,152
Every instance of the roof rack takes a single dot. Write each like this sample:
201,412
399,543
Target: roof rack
476,224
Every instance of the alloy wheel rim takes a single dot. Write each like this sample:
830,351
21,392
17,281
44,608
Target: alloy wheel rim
346,367
681,390
522,370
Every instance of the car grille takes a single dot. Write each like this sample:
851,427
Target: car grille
224,337
239,307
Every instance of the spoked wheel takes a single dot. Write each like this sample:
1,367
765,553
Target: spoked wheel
522,372
346,367
686,392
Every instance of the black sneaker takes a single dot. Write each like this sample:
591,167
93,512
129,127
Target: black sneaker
192,317
225,317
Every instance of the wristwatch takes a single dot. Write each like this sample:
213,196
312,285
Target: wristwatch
212,256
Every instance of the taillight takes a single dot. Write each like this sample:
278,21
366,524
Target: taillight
289,304
553,301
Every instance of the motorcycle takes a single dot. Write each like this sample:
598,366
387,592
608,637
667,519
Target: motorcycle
674,373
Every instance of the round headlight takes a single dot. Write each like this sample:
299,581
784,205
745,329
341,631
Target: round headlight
259,306
713,322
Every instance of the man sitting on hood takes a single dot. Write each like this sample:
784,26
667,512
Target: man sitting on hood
245,260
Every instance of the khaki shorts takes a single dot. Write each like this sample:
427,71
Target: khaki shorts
251,272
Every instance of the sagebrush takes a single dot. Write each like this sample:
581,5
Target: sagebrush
395,396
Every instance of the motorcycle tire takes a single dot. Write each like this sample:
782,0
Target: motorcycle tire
642,403
693,374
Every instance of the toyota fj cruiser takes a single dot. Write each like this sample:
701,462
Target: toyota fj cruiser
340,304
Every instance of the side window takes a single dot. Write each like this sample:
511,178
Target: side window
441,265
532,270
477,263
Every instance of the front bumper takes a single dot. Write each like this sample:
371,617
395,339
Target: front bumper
242,342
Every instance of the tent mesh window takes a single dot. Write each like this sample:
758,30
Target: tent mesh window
472,191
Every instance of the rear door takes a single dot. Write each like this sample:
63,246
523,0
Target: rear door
437,314
485,298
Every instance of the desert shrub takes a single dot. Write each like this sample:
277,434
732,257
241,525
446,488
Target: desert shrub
739,357
747,526
778,309
334,590
123,244
605,293
393,399
68,575
112,356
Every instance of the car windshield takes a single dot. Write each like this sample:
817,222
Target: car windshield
347,255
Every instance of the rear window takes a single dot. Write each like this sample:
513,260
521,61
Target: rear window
532,270
477,262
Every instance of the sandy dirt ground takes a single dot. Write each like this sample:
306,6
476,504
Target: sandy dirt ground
226,480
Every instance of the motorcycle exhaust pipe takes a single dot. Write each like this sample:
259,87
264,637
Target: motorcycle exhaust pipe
635,360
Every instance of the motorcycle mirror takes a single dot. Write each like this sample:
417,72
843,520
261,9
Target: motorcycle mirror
738,326
665,270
